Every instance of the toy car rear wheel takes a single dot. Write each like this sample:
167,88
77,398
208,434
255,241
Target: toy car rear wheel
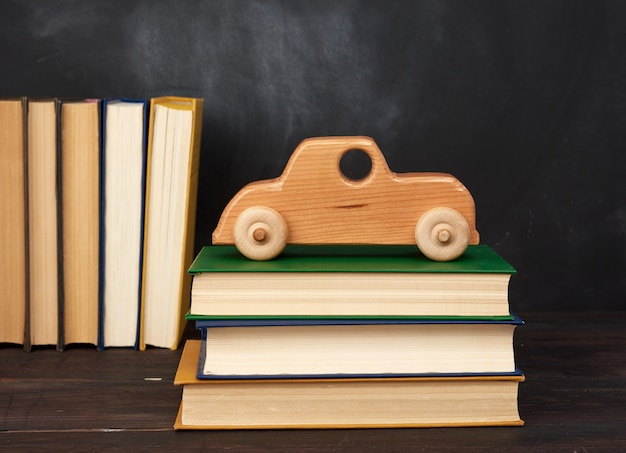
442,234
260,233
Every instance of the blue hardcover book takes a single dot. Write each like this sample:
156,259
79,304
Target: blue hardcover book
123,176
272,349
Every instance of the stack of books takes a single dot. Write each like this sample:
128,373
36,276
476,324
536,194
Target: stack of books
349,336
98,199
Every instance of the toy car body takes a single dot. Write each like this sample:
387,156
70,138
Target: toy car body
313,202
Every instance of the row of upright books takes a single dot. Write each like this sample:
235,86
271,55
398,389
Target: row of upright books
349,336
98,202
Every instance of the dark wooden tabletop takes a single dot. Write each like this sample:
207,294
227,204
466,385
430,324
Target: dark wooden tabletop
574,399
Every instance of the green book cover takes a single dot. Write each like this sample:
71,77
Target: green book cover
350,258
467,297
312,319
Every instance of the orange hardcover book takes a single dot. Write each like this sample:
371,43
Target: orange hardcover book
173,160
80,220
14,230
43,221
342,402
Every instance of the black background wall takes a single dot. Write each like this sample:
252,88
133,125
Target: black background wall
523,101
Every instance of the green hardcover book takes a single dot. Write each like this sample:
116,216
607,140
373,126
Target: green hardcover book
348,282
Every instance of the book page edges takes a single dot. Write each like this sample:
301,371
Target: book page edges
195,105
187,369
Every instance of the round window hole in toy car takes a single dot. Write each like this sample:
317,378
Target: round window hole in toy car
355,165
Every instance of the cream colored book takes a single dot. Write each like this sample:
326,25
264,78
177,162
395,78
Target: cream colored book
123,187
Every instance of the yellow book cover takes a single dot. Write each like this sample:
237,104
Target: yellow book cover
173,159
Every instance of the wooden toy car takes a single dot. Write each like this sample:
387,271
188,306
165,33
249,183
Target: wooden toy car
313,202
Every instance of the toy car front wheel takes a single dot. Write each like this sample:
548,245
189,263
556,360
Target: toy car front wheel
260,233
442,234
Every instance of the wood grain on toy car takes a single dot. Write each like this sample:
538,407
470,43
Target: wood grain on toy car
320,205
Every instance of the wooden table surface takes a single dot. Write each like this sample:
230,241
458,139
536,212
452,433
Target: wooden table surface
574,399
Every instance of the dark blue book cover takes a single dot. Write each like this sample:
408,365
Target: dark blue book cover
103,201
314,344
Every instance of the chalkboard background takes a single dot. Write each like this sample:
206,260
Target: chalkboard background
523,101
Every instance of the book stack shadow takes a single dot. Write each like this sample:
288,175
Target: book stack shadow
349,337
